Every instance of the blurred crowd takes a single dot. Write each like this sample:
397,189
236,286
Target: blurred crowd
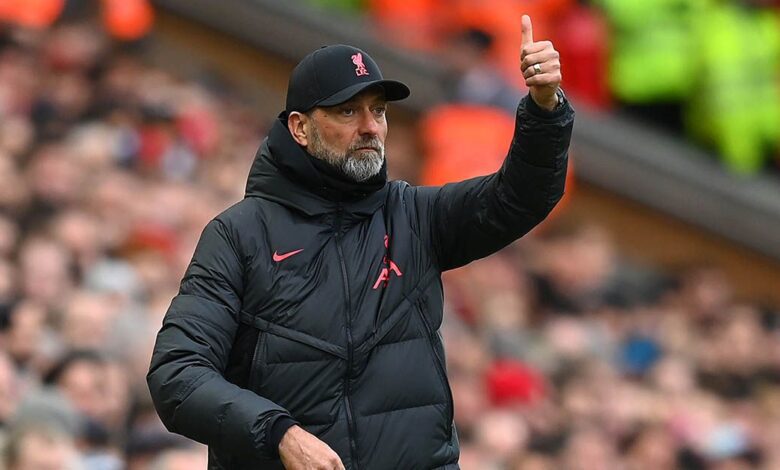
109,170
705,69
561,354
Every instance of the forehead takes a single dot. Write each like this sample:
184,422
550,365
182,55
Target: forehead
370,95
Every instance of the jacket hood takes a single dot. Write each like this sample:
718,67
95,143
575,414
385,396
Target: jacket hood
285,173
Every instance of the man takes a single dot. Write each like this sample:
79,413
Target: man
305,333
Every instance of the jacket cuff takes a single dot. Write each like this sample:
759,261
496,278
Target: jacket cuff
278,427
539,112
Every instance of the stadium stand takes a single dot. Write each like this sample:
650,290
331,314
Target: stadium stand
563,352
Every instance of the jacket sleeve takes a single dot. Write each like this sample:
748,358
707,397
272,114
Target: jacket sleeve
186,375
471,219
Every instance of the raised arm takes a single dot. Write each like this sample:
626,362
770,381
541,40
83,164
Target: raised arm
476,217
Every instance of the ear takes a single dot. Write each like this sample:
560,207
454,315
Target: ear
298,124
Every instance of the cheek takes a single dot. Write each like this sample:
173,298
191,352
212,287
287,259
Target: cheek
335,137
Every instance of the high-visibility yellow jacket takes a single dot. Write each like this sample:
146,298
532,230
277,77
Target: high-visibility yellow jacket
650,48
735,106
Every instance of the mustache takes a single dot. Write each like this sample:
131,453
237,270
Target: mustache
372,143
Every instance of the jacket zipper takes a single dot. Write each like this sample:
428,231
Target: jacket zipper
347,311
253,365
440,369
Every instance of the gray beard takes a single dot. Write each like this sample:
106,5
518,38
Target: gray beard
356,166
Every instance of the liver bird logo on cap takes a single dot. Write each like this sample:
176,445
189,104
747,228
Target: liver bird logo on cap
357,59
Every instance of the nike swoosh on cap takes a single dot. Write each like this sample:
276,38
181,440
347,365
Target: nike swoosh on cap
277,257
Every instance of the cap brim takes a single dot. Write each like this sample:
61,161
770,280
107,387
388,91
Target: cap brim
394,91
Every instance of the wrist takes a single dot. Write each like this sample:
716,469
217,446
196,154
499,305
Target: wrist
534,109
548,102
280,428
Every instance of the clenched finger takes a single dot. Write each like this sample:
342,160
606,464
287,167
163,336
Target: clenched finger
539,58
544,67
535,47
544,79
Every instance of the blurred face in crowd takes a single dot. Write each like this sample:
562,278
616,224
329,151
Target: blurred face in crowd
580,262
55,176
535,462
82,383
87,320
45,266
181,460
16,135
74,47
14,194
98,389
45,270
113,200
24,337
117,394
654,448
469,394
9,235
154,273
350,136
71,94
7,281
502,433
43,449
473,457
673,375
9,388
80,233
589,450
706,291
743,339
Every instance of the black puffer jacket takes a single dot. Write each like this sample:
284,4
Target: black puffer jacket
324,305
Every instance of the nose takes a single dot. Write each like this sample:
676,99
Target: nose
368,125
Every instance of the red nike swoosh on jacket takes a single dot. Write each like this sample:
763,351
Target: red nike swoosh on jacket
277,257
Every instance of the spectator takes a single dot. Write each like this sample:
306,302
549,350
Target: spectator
473,79
41,446
180,460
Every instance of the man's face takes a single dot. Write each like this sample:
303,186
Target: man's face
351,135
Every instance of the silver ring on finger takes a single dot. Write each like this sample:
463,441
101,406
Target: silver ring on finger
537,69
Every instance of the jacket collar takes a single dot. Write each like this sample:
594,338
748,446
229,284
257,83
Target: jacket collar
285,173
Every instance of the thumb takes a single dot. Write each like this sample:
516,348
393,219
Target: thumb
528,30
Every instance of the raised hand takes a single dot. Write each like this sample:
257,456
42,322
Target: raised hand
541,67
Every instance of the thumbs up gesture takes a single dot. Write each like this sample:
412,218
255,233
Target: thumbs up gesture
541,67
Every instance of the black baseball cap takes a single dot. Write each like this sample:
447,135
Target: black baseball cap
333,74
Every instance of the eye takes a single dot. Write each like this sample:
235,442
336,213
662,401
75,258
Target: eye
347,111
380,110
